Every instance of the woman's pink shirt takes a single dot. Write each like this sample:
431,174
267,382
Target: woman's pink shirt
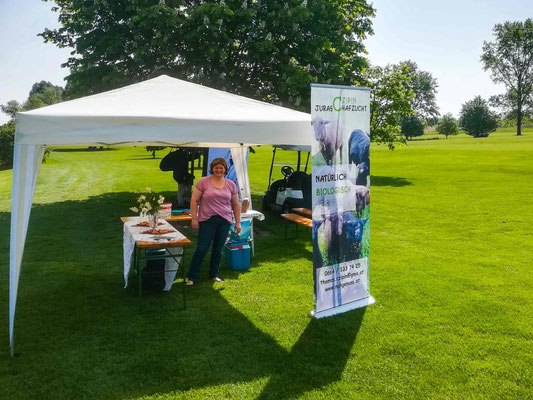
215,201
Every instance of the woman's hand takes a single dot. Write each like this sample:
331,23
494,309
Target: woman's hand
195,225
237,228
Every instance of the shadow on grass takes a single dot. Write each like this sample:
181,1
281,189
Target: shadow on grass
322,351
393,181
79,334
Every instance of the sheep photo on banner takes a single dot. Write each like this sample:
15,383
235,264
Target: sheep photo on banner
341,198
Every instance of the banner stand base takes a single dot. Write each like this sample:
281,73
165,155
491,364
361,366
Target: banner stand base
345,307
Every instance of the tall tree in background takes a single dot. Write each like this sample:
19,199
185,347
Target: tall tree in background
41,94
390,97
424,87
476,118
510,60
423,103
268,50
447,125
411,126
11,108
7,139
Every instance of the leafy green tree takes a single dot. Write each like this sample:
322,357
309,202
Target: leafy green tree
411,126
404,102
390,97
476,119
11,108
7,139
41,94
510,60
507,103
7,133
268,50
447,125
424,102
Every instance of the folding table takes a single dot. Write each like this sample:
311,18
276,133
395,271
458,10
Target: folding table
137,242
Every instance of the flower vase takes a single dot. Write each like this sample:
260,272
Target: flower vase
152,221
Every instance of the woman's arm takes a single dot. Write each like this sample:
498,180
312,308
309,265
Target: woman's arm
236,207
195,201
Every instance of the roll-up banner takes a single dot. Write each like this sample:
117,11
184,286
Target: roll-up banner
341,198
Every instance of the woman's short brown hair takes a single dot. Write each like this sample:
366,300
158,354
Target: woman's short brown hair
218,161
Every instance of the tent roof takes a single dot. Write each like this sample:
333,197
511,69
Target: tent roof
164,110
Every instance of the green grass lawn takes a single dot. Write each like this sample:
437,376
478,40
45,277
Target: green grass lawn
451,270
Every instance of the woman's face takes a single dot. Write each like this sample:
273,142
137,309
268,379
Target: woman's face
219,170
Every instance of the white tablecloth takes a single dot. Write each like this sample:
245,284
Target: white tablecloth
134,233
252,214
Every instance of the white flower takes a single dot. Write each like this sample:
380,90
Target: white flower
148,202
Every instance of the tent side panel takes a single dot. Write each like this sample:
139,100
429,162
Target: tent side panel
26,164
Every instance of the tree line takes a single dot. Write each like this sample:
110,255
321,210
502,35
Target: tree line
509,58
272,51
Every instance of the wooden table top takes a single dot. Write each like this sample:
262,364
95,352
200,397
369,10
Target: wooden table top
179,218
303,211
162,244
299,219
173,218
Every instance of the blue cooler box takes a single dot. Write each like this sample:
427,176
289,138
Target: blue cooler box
238,256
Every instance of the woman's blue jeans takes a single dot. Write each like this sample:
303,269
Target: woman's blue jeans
214,230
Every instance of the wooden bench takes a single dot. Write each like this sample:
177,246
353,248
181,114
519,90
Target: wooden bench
298,220
306,212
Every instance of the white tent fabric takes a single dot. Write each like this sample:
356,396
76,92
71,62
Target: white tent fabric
158,111
26,164
238,155
164,110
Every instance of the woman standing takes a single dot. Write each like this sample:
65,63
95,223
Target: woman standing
212,203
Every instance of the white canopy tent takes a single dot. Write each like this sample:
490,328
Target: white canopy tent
158,111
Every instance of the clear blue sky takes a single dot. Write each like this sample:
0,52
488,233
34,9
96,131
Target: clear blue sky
444,38
24,57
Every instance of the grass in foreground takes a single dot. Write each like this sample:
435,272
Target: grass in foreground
450,269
